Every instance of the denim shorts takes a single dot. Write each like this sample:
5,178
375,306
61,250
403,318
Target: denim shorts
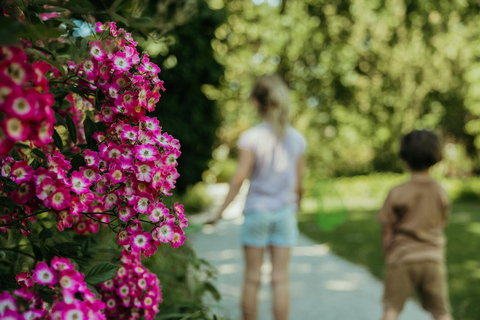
270,228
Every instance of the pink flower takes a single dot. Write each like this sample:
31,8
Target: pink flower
143,202
111,200
144,172
96,50
79,183
61,264
24,279
117,174
42,274
158,212
21,172
121,62
60,199
129,133
125,213
90,174
165,232
178,238
145,152
91,158
140,241
16,129
7,302
123,238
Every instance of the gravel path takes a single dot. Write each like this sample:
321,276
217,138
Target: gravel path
323,286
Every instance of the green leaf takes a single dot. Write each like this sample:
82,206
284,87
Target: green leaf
7,202
94,291
46,233
57,140
77,162
193,228
67,249
60,120
37,251
14,154
9,29
35,164
100,272
90,128
46,295
213,290
22,145
72,129
45,50
40,31
39,153
9,185
79,6
51,62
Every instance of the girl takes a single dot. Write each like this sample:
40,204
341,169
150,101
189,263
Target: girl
271,156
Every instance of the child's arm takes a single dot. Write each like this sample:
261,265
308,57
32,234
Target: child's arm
387,236
245,165
298,185
387,219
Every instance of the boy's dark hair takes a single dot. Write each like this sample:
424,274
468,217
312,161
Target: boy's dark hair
421,149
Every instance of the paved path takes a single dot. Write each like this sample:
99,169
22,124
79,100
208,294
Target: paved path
323,286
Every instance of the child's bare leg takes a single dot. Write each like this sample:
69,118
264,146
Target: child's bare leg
390,314
280,282
251,282
443,317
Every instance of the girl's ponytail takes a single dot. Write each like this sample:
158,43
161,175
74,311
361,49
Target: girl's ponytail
272,95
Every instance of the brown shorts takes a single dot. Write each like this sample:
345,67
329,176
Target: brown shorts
427,278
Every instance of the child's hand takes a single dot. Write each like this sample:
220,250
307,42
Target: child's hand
215,219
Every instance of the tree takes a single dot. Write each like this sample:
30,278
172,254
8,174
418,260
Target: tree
361,72
185,110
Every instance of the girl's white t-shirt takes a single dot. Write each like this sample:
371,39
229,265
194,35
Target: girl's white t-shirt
273,177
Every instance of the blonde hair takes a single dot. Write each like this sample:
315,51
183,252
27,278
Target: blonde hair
271,92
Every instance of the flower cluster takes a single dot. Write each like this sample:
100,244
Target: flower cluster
134,167
25,103
115,171
134,291
136,162
72,298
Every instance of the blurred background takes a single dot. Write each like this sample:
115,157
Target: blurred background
361,74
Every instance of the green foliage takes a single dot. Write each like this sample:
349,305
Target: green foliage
358,240
144,18
188,66
355,234
196,199
361,74
100,272
185,280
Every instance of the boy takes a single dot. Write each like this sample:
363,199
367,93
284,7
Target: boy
413,218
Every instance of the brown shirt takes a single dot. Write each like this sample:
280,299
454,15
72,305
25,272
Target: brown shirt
417,211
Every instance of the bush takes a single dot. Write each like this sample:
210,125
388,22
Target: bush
196,199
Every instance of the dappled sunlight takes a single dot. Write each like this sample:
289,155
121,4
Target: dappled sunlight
303,268
229,254
228,268
474,227
340,285
208,229
310,251
266,271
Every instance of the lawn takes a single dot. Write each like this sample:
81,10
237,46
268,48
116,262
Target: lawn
342,214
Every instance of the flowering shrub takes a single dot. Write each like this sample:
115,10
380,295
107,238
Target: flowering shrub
79,153
61,284
133,292
25,101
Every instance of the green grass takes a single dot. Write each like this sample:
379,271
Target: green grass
343,216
